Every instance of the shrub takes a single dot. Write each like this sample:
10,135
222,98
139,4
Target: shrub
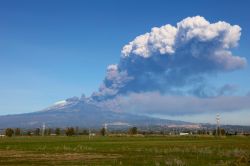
133,130
17,132
103,131
57,131
70,131
9,132
37,131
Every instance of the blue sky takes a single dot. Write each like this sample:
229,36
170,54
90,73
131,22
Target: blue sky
52,50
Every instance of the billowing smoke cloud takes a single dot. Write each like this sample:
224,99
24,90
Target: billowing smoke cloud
172,57
156,103
204,90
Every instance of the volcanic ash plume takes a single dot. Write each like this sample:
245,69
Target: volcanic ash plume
173,57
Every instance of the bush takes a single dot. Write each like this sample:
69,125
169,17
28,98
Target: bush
29,133
49,131
37,131
57,131
103,131
70,131
9,132
133,130
17,132
85,132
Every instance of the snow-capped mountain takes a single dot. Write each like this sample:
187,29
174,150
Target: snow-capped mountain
80,112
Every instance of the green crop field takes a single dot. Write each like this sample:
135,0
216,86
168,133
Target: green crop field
157,150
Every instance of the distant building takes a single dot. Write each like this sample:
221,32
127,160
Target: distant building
92,134
184,133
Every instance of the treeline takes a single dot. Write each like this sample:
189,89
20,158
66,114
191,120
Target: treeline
46,132
69,131
218,132
74,131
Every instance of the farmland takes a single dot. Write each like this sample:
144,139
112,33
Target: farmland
125,150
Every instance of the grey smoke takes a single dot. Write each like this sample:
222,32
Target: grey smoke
156,103
173,57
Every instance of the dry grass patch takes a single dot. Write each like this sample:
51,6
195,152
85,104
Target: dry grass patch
29,155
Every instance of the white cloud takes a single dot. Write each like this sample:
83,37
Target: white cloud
159,40
167,39
199,27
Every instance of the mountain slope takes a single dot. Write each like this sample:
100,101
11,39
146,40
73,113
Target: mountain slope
73,112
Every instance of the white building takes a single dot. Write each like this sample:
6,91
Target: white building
184,133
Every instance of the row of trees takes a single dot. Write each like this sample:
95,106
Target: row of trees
17,132
70,131
217,132
58,131
9,132
76,131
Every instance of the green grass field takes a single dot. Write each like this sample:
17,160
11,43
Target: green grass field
158,150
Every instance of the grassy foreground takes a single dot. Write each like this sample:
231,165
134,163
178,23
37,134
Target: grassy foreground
189,150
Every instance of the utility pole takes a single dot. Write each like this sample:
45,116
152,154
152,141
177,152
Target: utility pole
218,131
106,128
44,127
89,133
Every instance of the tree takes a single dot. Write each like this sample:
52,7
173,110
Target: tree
45,132
103,131
49,131
58,131
17,132
202,132
85,132
37,131
222,131
133,130
70,131
9,132
29,133
77,130
214,132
